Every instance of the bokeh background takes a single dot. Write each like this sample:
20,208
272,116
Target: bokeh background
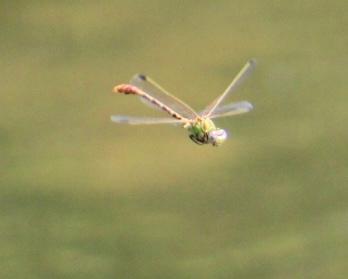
81,197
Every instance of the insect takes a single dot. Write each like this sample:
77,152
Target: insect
200,126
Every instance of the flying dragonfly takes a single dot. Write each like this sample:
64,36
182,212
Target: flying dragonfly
200,126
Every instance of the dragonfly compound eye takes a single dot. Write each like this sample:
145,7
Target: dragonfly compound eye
217,137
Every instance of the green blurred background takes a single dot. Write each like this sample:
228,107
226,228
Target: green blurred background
81,197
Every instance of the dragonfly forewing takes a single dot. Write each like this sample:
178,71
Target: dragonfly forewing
156,91
134,120
241,76
232,109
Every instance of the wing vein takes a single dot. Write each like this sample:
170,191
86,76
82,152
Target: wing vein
241,76
154,90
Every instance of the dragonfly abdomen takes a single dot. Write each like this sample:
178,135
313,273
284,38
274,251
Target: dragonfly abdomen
126,89
131,89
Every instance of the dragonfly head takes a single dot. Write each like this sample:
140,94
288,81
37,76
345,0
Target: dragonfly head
217,137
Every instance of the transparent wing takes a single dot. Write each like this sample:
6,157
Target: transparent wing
153,89
241,76
149,104
232,109
133,120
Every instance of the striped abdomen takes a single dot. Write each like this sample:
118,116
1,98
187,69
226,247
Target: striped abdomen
131,89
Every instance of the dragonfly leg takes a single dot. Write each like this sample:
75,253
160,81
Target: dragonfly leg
195,140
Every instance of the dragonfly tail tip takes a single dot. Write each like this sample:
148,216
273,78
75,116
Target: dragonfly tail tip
116,89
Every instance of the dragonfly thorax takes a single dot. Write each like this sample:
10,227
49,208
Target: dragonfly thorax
203,131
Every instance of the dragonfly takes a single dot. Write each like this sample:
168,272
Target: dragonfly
200,126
